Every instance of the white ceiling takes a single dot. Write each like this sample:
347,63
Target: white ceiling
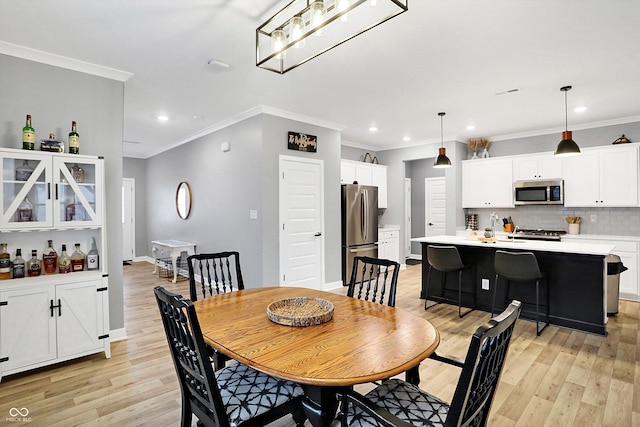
441,55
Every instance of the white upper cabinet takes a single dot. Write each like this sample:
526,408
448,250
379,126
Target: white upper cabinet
533,167
366,174
45,190
487,183
602,177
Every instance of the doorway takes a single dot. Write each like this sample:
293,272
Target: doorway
301,222
128,219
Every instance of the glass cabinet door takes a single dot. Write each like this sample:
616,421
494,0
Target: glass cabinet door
77,185
26,190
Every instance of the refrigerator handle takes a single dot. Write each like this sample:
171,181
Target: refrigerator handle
362,214
366,215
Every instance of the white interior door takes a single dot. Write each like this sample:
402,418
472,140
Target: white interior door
128,219
435,206
407,217
301,222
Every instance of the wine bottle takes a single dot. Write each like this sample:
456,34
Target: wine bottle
18,265
74,140
28,135
50,259
64,262
78,259
5,262
34,266
93,261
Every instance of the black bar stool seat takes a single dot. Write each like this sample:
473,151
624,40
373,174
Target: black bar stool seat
521,267
446,259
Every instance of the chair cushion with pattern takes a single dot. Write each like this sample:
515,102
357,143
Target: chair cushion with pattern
246,392
405,401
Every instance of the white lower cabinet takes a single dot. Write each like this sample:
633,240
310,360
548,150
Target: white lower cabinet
44,323
389,245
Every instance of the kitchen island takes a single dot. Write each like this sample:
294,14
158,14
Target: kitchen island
576,274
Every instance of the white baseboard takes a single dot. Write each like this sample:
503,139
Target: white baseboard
118,335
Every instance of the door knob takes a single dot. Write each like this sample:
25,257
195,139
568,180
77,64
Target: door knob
318,234
430,223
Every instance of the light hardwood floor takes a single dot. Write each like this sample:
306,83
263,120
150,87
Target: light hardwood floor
562,378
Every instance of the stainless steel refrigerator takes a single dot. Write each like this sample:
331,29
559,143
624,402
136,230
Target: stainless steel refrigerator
359,225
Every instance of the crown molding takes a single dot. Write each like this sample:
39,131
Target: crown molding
43,57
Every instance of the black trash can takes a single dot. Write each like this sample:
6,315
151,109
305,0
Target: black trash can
614,268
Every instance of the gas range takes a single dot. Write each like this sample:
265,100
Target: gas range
538,234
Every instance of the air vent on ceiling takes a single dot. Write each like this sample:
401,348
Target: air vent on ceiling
509,91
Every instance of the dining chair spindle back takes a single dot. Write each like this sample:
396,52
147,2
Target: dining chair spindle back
374,279
235,395
399,403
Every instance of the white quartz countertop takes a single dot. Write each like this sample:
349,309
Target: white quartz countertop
522,244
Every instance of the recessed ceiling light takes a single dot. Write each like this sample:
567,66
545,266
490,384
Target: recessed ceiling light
163,118
471,127
406,138
373,129
198,117
581,109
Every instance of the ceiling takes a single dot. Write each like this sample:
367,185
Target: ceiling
442,55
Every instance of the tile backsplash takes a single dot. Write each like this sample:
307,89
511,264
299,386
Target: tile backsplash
608,221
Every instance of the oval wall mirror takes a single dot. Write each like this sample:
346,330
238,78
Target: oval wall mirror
183,200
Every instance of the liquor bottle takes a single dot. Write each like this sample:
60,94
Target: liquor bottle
19,265
28,135
52,144
77,173
78,259
50,259
74,140
24,171
64,262
93,261
25,211
5,262
34,266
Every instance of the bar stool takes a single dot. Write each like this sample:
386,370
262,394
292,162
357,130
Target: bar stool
521,267
446,259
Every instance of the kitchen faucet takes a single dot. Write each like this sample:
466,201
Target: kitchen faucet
494,218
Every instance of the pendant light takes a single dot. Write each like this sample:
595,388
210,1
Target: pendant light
442,161
567,147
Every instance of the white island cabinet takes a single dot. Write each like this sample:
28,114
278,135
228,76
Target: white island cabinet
54,317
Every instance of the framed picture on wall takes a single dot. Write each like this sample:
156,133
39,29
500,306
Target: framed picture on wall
302,142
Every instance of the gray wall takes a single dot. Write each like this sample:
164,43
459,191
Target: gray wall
227,185
54,97
137,169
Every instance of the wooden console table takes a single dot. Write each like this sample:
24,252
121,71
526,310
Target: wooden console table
176,247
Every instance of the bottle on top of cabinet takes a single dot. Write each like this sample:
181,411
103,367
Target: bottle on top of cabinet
64,261
18,266
74,140
28,135
5,262
78,259
50,259
34,266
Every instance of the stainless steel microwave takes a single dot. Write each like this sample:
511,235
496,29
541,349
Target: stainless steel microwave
549,192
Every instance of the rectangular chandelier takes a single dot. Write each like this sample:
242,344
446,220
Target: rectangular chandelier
304,29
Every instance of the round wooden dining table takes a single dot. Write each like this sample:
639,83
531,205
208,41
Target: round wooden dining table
363,342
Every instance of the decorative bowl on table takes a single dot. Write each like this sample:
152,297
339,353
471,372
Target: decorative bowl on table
300,311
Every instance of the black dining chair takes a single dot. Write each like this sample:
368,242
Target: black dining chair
235,395
213,274
399,403
374,279
216,273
